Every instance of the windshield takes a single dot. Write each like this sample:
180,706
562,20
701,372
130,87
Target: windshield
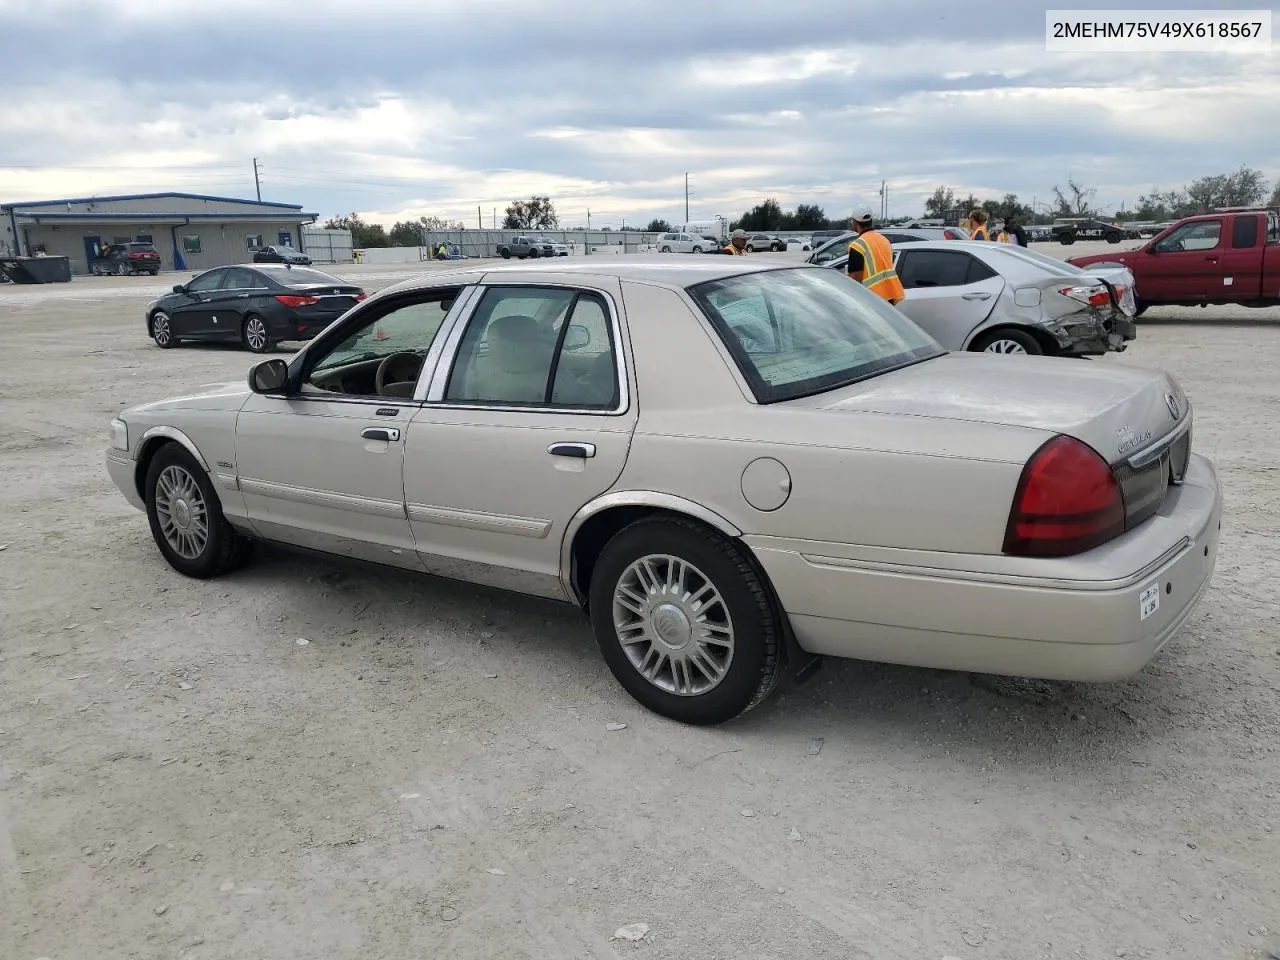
799,332
1051,264
288,275
832,249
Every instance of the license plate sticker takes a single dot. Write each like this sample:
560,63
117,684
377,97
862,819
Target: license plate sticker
1148,601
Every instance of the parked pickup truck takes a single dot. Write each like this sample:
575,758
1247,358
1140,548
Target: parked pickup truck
1232,256
521,247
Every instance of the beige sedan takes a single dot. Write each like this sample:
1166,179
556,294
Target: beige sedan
729,465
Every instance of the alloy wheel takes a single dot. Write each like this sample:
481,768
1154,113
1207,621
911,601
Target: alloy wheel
160,330
255,334
182,512
673,625
1004,346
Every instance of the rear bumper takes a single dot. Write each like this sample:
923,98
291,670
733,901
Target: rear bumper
1090,334
1084,630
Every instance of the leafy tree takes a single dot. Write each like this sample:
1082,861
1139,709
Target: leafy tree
406,234
1008,207
1076,202
808,216
536,213
1245,187
362,234
1275,197
942,200
658,226
763,216
440,223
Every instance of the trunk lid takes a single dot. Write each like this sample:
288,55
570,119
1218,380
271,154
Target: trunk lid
1119,411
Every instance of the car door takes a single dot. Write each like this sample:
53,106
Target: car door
949,293
1187,263
527,419
191,317
322,465
228,302
1242,260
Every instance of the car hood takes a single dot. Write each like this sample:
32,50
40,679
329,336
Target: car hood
213,396
1125,258
1117,410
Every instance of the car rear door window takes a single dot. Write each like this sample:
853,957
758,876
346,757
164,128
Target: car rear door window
237,278
934,268
536,347
978,271
1244,233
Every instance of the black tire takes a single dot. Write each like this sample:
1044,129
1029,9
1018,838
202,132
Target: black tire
254,334
162,330
750,248
664,249
1023,339
1067,239
1113,237
758,654
122,269
155,273
506,254
224,548
533,254
1140,308
697,249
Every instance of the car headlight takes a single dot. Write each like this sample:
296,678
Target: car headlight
119,435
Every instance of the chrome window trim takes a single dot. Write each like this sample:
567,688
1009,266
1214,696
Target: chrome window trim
434,396
462,308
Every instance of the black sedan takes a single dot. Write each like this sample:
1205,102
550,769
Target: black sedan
258,306
274,254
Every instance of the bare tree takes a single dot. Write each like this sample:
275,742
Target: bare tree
1076,202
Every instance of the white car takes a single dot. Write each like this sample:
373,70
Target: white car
682,243
804,244
727,463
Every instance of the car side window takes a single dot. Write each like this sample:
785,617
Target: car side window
1244,233
207,282
934,268
978,271
536,347
237,278
1203,235
407,328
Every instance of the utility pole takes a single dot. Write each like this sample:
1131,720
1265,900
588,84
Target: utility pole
257,184
686,198
479,218
588,218
495,218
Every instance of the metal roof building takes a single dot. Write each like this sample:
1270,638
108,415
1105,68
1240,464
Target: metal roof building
190,230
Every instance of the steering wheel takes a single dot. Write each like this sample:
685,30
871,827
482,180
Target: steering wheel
397,368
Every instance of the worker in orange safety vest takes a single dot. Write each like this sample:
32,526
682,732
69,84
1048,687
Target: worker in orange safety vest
871,260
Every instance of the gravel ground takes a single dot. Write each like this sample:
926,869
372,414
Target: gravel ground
431,774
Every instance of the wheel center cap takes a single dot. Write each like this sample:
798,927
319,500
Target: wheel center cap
181,513
671,625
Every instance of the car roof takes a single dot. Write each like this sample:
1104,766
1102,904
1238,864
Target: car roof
673,271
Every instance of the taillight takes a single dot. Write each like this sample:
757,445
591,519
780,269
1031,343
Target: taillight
1068,501
361,296
293,302
1095,295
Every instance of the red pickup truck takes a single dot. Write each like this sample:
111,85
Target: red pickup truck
1232,256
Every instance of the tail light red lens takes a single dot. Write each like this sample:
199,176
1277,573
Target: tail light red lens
293,302
1068,501
1094,295
361,296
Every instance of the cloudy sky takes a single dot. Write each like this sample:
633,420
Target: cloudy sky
397,109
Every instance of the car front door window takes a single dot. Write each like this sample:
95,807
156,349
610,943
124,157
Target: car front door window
1204,235
404,331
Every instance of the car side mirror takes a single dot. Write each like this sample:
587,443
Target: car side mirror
269,376
179,288
577,337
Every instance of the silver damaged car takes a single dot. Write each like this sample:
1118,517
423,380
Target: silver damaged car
729,465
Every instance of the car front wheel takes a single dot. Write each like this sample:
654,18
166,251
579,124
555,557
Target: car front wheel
254,334
685,622
162,330
186,517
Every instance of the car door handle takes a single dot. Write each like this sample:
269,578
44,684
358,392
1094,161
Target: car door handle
1212,259
579,450
976,296
389,434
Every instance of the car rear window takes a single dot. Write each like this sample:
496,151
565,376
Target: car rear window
798,332
1244,233
287,275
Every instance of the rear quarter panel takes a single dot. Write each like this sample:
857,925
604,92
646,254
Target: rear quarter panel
919,483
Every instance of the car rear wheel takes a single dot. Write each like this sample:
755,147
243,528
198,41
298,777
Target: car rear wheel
506,254
664,250
186,517
254,334
684,621
122,269
750,248
162,330
1067,239
1008,341
1114,237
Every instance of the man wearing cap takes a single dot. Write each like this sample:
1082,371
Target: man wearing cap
871,260
737,245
